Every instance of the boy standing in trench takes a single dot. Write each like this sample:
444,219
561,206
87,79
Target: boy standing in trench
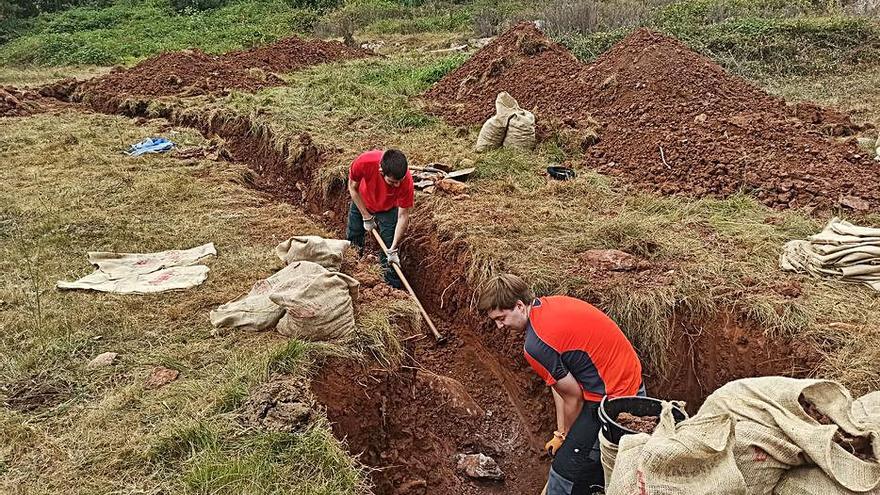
582,355
381,190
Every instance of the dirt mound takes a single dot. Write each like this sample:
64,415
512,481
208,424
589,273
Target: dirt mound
194,72
536,71
185,73
671,120
293,53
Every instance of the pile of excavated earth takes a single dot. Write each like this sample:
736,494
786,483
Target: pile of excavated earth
193,72
669,119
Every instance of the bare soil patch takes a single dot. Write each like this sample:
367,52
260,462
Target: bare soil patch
37,393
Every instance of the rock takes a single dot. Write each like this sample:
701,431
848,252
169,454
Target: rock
699,119
160,377
855,203
479,466
611,260
451,186
457,398
102,360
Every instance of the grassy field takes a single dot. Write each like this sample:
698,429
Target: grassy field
67,189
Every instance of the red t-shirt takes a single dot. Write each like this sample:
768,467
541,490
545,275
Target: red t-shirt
377,194
566,335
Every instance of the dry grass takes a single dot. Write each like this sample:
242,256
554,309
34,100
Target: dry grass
65,189
853,90
35,76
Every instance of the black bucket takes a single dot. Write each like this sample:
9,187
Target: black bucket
637,406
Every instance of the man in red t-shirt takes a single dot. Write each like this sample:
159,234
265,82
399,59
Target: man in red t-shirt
381,189
579,352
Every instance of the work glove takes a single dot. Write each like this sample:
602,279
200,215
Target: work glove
393,256
370,224
555,443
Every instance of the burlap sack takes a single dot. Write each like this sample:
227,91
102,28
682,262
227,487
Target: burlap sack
494,130
520,131
811,480
772,428
317,308
866,409
325,252
694,457
255,310
608,453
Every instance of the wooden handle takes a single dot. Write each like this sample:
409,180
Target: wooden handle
440,338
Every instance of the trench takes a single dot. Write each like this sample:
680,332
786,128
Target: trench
475,394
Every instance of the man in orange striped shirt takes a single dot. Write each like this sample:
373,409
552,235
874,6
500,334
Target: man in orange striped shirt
583,355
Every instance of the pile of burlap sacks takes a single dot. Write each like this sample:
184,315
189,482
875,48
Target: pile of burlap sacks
510,127
308,299
842,251
752,437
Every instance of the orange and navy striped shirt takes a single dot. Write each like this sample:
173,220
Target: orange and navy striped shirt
566,335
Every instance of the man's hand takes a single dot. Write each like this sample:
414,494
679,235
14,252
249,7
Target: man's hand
370,224
555,443
393,256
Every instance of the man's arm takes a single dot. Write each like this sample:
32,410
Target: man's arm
571,398
560,407
358,200
402,224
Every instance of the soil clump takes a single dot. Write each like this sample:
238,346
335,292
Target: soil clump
671,120
641,424
283,404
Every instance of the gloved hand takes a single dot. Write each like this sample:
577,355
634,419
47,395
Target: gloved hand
555,443
370,224
393,256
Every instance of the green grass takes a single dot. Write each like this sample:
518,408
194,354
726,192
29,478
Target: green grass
104,432
129,30
755,38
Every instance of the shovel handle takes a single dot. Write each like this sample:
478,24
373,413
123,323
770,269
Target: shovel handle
437,336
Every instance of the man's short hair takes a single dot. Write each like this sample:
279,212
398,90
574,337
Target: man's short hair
394,164
503,291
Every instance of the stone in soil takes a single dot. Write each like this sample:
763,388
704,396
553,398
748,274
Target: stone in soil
642,424
479,466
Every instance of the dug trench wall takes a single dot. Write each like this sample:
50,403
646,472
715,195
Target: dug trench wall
476,393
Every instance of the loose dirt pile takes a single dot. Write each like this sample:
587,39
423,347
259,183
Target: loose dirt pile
671,120
293,53
642,424
16,102
194,72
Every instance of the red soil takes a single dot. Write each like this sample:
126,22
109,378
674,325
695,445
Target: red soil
193,72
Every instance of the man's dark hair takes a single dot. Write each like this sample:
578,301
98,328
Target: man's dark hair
394,164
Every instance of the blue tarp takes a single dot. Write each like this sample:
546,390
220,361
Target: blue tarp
150,145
